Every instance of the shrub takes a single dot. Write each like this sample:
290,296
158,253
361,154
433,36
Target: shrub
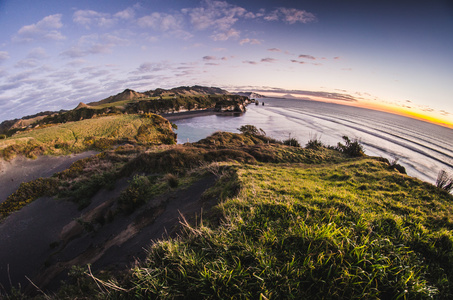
28,192
172,180
351,148
2,136
291,142
136,194
314,143
252,130
444,181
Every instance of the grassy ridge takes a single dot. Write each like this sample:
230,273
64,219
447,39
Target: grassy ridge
291,223
345,231
96,133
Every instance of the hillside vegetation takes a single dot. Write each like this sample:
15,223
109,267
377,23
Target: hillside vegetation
287,222
97,133
157,101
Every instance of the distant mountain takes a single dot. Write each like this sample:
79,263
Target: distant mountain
251,95
127,94
187,91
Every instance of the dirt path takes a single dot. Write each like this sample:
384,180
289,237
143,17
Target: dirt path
21,169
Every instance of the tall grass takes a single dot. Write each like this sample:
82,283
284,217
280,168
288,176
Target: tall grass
348,231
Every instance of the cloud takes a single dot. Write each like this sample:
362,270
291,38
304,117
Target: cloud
297,61
218,16
268,60
274,50
45,29
160,21
290,16
317,94
38,53
223,36
172,24
150,67
90,17
209,57
251,62
3,56
94,44
250,41
306,56
127,14
26,63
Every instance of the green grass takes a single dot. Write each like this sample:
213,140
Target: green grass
290,223
351,230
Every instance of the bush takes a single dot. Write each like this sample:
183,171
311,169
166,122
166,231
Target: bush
172,180
28,192
252,130
352,148
291,142
136,194
2,136
444,181
314,144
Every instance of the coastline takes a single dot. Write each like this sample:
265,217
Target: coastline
189,114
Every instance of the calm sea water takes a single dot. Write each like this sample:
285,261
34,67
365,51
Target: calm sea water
423,148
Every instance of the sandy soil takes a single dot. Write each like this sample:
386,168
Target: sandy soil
21,169
43,240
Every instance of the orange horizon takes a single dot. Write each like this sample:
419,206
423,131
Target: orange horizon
401,111
405,112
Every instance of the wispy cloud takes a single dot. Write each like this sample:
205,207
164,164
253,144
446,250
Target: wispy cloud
45,29
268,60
304,93
94,44
223,36
4,56
290,16
208,57
306,56
89,17
274,50
250,62
250,41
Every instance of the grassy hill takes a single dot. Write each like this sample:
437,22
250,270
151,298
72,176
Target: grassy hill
97,133
286,222
157,101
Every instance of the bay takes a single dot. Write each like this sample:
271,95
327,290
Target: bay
422,148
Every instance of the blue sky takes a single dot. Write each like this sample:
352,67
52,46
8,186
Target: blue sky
55,54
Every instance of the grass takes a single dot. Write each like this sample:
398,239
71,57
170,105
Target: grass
96,133
290,223
330,232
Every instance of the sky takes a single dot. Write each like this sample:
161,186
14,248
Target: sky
387,55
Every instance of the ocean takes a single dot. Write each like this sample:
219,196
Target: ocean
422,148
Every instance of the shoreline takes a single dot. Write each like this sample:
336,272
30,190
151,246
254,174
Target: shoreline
189,114
176,116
